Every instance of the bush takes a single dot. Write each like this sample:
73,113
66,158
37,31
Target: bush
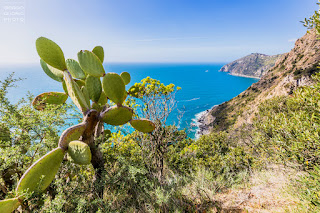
287,128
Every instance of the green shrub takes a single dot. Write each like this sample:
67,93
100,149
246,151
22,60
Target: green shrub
287,128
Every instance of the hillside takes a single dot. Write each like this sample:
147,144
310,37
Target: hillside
253,65
292,70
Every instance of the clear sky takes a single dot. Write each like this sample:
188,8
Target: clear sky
154,30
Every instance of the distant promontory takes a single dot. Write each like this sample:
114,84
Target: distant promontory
253,65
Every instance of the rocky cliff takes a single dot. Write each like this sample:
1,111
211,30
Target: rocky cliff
253,65
292,70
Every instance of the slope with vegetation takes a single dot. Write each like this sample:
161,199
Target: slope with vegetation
254,65
261,156
292,70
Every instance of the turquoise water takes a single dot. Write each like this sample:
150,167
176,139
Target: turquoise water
203,86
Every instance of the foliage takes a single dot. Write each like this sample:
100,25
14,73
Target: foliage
287,128
216,153
309,190
313,21
81,82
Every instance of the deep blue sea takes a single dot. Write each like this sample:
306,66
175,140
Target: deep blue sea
203,86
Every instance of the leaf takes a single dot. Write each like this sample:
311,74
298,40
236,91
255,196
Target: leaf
51,53
86,94
94,87
71,134
114,88
90,63
75,69
79,152
143,125
117,115
98,51
75,93
126,77
9,205
51,74
39,176
56,98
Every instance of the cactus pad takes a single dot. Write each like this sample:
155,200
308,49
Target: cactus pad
94,87
75,69
143,125
117,115
52,74
79,152
126,77
86,94
81,83
114,88
75,93
90,63
71,134
98,51
51,53
103,99
43,99
39,176
9,205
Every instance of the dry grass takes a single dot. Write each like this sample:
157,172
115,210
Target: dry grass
269,190
266,191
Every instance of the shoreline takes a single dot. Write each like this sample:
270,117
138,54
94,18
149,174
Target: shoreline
203,121
245,76
240,75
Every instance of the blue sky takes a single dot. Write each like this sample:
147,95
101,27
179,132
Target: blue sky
156,30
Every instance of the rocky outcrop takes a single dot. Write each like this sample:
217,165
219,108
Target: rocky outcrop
292,70
254,65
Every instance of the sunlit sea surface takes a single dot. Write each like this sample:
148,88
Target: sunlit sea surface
203,86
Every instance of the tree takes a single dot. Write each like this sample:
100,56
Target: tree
157,101
81,82
313,21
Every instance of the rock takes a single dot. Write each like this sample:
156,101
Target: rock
254,65
292,70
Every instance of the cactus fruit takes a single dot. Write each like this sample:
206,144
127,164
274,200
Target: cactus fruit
117,115
9,205
51,53
71,134
79,152
75,93
143,125
55,74
39,176
90,63
94,87
85,94
75,69
43,99
98,51
126,77
114,88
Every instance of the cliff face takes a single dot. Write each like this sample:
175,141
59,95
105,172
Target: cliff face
253,65
292,70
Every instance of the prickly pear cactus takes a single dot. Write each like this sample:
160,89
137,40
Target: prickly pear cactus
81,81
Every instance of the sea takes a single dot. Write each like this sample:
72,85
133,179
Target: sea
203,86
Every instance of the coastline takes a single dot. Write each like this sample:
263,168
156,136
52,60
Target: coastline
203,120
241,75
